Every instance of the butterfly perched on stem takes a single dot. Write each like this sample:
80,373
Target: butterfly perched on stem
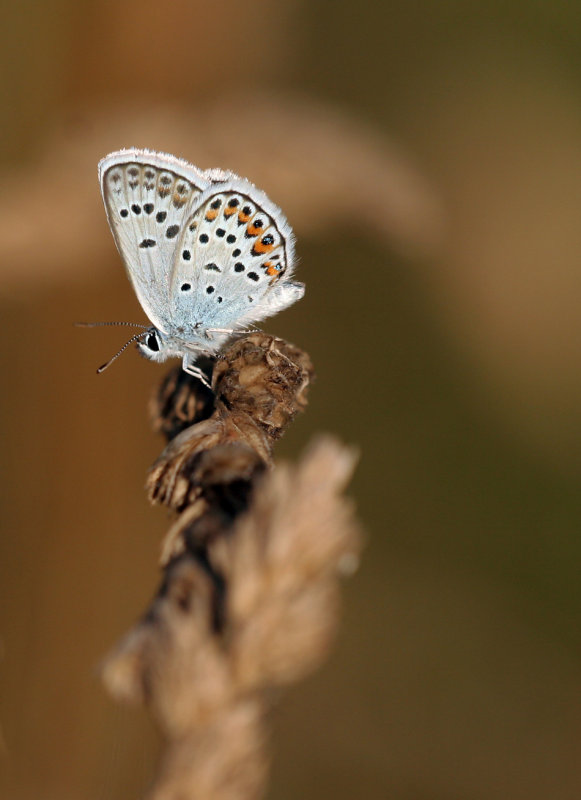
206,251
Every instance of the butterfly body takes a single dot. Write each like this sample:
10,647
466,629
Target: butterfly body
206,251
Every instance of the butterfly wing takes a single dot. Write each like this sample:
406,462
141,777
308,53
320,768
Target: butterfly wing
148,197
233,260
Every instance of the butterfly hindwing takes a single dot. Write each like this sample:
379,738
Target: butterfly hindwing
148,197
234,250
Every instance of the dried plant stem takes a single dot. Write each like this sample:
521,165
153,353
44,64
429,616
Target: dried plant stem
250,593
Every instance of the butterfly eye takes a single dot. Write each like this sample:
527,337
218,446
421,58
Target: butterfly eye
152,343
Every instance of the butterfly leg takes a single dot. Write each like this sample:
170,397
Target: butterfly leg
189,366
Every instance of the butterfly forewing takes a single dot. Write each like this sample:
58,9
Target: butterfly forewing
148,197
235,247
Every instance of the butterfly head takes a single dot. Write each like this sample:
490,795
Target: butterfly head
158,346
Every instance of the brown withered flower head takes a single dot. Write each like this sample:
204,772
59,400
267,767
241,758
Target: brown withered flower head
251,567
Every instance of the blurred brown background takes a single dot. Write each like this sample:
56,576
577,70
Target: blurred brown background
428,155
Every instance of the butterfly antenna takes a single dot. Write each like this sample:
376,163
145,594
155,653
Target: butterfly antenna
103,367
101,324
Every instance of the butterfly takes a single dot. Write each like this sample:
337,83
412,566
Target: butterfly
207,252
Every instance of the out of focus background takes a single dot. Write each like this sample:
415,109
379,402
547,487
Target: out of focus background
428,155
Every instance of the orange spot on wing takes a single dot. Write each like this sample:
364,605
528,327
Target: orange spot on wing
260,247
243,217
211,214
271,268
252,230
229,210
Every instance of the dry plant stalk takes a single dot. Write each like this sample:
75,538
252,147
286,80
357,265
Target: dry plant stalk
249,597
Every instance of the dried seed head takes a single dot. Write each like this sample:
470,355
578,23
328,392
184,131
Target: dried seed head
266,378
260,383
250,594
